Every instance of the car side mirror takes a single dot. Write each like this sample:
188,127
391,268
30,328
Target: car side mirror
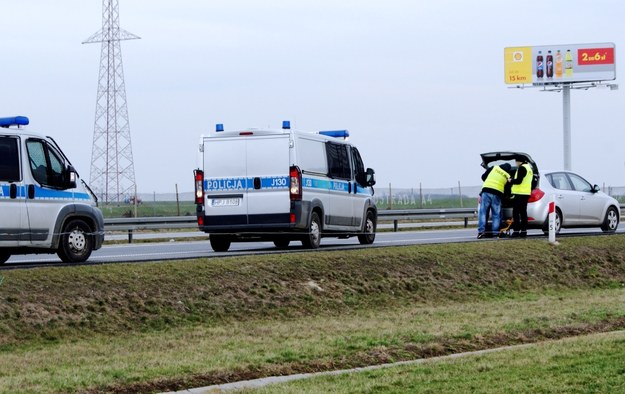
370,177
595,189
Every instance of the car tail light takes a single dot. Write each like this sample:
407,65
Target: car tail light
199,186
295,188
536,195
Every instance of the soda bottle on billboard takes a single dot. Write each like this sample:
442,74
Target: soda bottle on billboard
539,65
549,65
568,67
558,64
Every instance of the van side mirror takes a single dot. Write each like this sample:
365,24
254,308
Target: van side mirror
69,177
370,177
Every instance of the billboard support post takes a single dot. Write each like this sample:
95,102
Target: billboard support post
566,111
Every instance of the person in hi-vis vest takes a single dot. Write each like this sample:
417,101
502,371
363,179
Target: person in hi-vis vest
495,179
521,190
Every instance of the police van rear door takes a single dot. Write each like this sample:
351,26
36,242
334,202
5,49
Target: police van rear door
225,178
268,174
247,179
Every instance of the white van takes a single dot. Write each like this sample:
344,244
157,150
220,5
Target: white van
44,207
283,185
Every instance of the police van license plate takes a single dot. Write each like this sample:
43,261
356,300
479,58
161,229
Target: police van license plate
225,202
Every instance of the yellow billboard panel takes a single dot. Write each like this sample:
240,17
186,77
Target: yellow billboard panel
518,65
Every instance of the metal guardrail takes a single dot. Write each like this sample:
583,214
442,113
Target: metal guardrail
175,222
394,215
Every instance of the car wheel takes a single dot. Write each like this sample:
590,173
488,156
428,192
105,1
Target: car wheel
558,224
312,240
282,243
368,236
4,257
610,223
220,242
76,242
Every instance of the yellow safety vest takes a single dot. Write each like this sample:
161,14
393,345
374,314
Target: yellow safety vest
525,187
496,179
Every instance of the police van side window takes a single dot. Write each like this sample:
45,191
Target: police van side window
338,161
359,168
312,156
9,160
45,164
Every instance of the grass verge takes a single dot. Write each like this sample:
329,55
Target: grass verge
592,363
165,326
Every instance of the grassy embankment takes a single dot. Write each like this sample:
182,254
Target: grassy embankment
165,326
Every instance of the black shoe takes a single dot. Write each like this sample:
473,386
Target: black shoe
503,235
515,235
480,235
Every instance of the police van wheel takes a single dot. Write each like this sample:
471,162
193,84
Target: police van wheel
282,243
369,234
220,242
312,240
76,242
4,257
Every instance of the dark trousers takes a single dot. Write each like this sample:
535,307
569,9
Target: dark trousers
519,212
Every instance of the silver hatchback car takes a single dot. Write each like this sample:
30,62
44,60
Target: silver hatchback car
578,203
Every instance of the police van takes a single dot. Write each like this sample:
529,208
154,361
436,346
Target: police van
44,207
282,185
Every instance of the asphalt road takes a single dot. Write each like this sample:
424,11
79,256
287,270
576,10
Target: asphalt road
174,250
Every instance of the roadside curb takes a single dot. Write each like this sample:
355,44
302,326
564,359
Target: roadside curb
261,382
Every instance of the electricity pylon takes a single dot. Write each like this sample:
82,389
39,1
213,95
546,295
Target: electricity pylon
112,167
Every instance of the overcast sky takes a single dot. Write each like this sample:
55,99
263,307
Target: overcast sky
419,84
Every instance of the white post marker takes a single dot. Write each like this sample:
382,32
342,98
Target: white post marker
552,220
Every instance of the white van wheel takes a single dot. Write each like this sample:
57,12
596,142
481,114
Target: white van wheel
282,243
368,236
312,240
76,242
220,242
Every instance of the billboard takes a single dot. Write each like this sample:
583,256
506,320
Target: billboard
557,64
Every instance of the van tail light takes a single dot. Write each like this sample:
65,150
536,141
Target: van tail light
536,195
295,185
199,186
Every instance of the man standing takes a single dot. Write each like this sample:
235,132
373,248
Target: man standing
521,190
495,179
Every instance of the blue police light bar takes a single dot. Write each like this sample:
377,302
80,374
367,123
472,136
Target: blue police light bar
14,121
286,124
219,127
336,133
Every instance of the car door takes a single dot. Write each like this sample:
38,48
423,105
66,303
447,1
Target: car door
46,194
591,204
339,215
359,186
567,199
13,220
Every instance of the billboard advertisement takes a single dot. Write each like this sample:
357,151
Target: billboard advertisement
557,64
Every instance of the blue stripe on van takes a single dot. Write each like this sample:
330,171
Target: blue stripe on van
278,183
241,184
44,194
